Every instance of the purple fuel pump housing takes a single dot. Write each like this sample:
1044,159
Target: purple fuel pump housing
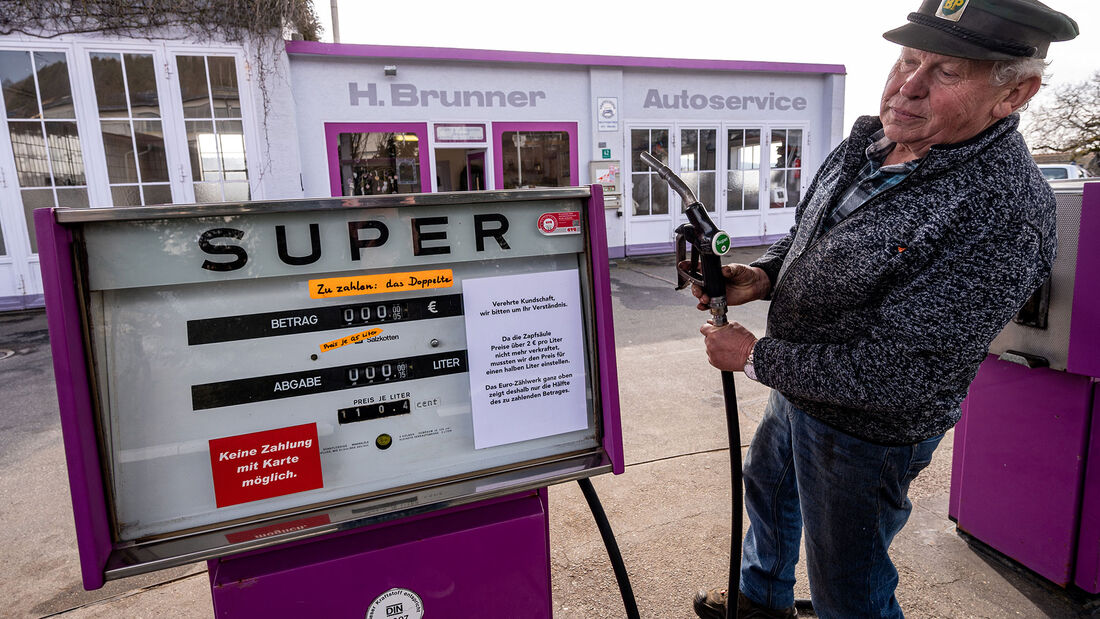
1026,469
461,558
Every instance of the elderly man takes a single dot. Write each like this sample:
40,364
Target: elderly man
920,237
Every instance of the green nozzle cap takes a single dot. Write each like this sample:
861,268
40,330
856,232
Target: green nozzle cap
721,243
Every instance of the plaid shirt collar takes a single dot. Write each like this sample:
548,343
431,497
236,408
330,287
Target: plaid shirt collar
878,147
873,178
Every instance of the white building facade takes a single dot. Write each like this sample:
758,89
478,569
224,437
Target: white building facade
96,122
747,135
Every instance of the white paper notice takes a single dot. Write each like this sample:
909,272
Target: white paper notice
525,345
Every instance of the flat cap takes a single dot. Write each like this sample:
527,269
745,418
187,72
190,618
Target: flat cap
984,29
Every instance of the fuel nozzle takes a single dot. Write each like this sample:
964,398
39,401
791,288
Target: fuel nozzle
708,244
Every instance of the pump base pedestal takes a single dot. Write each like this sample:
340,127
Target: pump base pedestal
488,559
1018,482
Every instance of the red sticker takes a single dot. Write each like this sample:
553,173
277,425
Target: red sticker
261,465
277,529
560,223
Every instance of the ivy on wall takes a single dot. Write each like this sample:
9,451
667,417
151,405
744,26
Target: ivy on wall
258,24
228,20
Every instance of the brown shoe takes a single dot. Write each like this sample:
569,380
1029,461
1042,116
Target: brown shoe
712,605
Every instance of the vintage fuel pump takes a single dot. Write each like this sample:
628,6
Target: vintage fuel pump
1025,476
349,407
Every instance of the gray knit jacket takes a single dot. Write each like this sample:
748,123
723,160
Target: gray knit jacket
877,327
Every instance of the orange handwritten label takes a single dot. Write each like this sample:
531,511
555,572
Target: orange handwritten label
385,282
350,339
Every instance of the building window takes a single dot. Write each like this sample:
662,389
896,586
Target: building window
42,127
649,192
535,159
374,163
786,174
215,129
133,136
743,171
698,159
377,158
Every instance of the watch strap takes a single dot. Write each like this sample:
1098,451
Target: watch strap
750,366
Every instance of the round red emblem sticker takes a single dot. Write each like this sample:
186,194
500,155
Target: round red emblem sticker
553,224
548,222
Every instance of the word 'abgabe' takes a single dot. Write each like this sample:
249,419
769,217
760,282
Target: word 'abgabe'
431,230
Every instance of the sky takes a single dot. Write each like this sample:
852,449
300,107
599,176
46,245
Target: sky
811,31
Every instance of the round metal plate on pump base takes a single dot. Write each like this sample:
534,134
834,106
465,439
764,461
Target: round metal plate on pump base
396,604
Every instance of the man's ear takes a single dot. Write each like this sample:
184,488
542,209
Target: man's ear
1018,96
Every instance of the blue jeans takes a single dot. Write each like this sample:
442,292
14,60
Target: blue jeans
849,495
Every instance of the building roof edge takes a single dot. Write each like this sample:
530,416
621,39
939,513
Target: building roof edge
315,48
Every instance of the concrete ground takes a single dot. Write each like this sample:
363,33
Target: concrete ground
670,510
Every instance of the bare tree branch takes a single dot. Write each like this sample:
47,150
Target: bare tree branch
1069,123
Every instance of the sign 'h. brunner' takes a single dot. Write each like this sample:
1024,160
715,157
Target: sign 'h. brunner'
409,95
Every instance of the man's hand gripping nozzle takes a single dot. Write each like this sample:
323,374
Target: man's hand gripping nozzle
708,244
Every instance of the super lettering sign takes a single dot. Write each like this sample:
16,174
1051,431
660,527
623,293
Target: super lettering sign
427,236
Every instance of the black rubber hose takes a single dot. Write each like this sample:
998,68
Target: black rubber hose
612,547
733,429
737,488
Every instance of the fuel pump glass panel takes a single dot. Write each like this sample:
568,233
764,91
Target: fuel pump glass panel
267,363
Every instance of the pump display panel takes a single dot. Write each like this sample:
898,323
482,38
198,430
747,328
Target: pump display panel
302,366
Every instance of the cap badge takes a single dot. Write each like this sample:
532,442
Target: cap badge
951,9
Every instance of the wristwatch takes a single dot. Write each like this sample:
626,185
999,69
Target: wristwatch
750,369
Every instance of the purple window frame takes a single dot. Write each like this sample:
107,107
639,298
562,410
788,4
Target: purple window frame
332,147
499,128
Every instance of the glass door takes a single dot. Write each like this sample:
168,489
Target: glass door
647,200
698,158
648,193
213,121
655,211
460,169
475,170
12,261
785,178
741,214
130,122
46,164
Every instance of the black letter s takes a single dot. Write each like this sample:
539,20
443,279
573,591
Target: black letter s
236,250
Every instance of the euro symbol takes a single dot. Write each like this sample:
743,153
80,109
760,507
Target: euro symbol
431,307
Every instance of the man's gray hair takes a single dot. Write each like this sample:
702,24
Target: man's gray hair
1006,72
